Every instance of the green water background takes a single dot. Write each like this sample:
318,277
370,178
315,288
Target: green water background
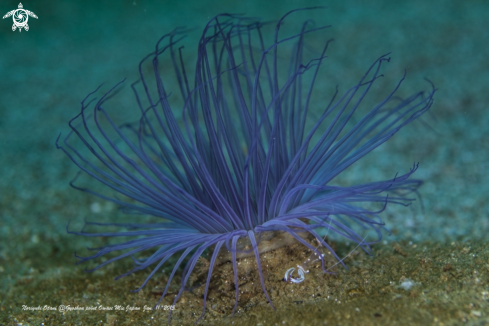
74,46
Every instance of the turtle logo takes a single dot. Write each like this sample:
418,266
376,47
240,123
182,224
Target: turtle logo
20,17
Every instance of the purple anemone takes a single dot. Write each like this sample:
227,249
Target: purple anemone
240,148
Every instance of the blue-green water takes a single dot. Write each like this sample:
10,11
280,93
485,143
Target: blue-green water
75,46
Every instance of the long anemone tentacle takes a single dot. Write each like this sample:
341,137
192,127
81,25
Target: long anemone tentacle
239,143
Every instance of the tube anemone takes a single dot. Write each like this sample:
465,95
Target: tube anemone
237,148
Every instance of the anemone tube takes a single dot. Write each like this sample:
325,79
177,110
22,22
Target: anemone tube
234,152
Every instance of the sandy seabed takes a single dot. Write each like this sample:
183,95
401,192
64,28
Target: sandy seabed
402,284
